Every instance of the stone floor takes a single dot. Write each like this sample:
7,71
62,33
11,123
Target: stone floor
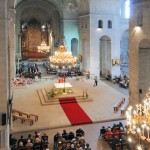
52,118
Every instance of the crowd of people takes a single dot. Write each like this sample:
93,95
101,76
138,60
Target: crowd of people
30,71
122,81
70,140
68,72
62,141
115,136
32,142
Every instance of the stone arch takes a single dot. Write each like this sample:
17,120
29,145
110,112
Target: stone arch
45,13
144,66
74,46
124,53
105,55
16,3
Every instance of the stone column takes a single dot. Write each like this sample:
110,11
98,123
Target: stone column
4,74
19,42
12,42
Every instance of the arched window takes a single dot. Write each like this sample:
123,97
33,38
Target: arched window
74,46
127,9
109,24
100,24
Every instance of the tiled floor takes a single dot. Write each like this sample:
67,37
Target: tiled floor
52,117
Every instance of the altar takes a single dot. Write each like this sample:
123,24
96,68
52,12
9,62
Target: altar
60,87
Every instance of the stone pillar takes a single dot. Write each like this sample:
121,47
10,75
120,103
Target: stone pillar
4,74
12,42
137,34
19,42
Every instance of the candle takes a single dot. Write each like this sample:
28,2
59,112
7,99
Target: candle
143,128
138,130
137,107
134,112
129,125
140,109
144,105
130,110
148,132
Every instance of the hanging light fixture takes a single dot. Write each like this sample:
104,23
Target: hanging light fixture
63,58
138,122
43,48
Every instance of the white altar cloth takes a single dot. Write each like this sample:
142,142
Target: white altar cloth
62,85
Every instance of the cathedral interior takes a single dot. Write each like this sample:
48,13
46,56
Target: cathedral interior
106,39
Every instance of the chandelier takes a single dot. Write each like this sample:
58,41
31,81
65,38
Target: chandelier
138,122
62,57
43,48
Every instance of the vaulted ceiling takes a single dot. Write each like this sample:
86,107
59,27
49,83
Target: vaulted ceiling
80,6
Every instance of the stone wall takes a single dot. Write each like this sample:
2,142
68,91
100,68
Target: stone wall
137,35
4,71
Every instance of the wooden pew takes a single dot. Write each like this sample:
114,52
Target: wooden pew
36,116
28,115
118,104
20,113
23,119
124,107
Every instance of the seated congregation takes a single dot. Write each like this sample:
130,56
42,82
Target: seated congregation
62,141
32,142
61,72
121,81
115,136
71,140
28,71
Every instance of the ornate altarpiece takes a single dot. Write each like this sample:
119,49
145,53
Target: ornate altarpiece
32,36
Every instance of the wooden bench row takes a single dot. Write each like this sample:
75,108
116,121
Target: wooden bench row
118,104
28,115
17,114
23,119
124,103
124,107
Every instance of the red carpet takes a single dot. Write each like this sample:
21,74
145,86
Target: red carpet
73,111
37,55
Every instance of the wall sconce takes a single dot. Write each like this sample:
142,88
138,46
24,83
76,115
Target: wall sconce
115,62
79,58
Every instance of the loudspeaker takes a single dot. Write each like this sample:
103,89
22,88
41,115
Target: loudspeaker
3,116
140,91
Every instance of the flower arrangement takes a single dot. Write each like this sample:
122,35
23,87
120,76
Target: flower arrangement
52,92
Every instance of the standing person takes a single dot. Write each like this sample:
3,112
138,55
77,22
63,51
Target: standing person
95,81
102,132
